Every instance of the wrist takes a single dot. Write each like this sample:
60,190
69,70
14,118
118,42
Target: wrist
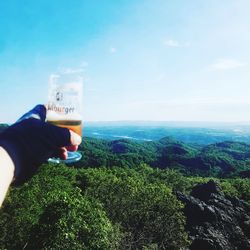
7,173
11,154
7,165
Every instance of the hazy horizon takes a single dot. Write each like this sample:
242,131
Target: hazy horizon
160,123
141,60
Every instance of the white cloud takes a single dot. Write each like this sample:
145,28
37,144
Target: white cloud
175,43
226,64
112,50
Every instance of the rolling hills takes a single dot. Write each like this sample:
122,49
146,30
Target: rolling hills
218,159
222,159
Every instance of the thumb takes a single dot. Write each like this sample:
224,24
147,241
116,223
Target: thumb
75,139
38,112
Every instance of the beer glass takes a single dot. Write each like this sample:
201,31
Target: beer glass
64,107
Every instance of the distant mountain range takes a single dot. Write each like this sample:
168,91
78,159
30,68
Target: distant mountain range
194,133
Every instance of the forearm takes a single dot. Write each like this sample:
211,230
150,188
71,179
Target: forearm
6,174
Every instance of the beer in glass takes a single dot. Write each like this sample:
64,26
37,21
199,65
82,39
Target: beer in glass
64,107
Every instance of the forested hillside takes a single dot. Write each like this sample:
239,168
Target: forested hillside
223,159
103,208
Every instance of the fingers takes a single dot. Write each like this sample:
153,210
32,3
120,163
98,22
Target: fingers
39,112
61,137
56,136
72,148
62,153
75,140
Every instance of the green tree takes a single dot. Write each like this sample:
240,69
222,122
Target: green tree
74,222
148,213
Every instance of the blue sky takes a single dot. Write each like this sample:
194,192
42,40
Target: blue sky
142,59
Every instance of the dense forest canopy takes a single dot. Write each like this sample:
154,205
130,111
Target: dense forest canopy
102,208
224,159
121,195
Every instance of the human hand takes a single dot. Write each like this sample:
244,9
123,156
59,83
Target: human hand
31,141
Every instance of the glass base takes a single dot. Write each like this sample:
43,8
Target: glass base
72,157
